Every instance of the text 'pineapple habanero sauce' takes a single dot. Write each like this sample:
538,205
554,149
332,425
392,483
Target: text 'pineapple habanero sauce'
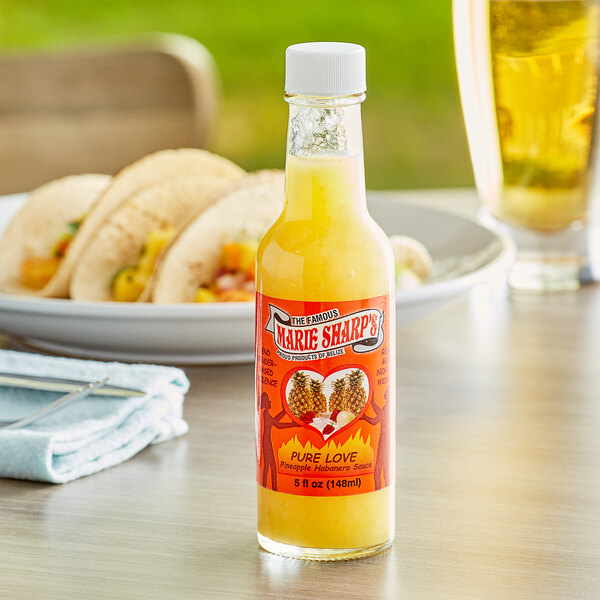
325,384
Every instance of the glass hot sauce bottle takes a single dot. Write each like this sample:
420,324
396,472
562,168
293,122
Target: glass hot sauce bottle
325,337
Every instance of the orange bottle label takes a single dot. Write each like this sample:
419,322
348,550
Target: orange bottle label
325,401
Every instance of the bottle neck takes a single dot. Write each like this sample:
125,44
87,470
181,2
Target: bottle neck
322,127
324,163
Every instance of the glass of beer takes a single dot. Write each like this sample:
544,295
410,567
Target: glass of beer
528,72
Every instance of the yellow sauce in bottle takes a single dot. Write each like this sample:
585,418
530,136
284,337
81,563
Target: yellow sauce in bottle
325,247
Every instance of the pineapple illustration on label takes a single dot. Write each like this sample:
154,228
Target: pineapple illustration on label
337,395
307,400
326,369
355,396
300,397
318,397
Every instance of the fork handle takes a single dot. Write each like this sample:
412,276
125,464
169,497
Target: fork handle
78,394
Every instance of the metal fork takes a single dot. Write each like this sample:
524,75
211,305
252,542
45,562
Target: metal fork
77,394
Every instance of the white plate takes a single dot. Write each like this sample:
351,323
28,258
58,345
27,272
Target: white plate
464,255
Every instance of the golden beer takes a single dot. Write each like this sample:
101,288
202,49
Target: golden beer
528,72
544,63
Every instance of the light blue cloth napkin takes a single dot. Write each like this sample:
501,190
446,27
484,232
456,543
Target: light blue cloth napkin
90,434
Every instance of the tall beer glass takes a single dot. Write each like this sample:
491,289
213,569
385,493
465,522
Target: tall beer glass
528,72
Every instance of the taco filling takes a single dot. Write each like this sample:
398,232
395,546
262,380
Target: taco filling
129,282
412,261
235,278
36,271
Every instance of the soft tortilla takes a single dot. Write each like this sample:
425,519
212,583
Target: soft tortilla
147,171
39,224
119,241
245,212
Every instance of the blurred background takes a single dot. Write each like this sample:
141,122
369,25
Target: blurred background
414,134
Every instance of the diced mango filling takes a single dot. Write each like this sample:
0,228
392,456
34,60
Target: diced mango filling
37,271
130,281
235,279
126,287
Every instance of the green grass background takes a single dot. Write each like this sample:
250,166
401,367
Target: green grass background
414,135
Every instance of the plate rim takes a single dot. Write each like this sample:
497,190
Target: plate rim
33,344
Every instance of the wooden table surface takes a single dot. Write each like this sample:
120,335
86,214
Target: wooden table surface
498,480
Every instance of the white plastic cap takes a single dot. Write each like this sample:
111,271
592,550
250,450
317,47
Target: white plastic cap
325,69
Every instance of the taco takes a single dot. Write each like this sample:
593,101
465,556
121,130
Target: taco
36,248
118,262
413,262
212,259
147,171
